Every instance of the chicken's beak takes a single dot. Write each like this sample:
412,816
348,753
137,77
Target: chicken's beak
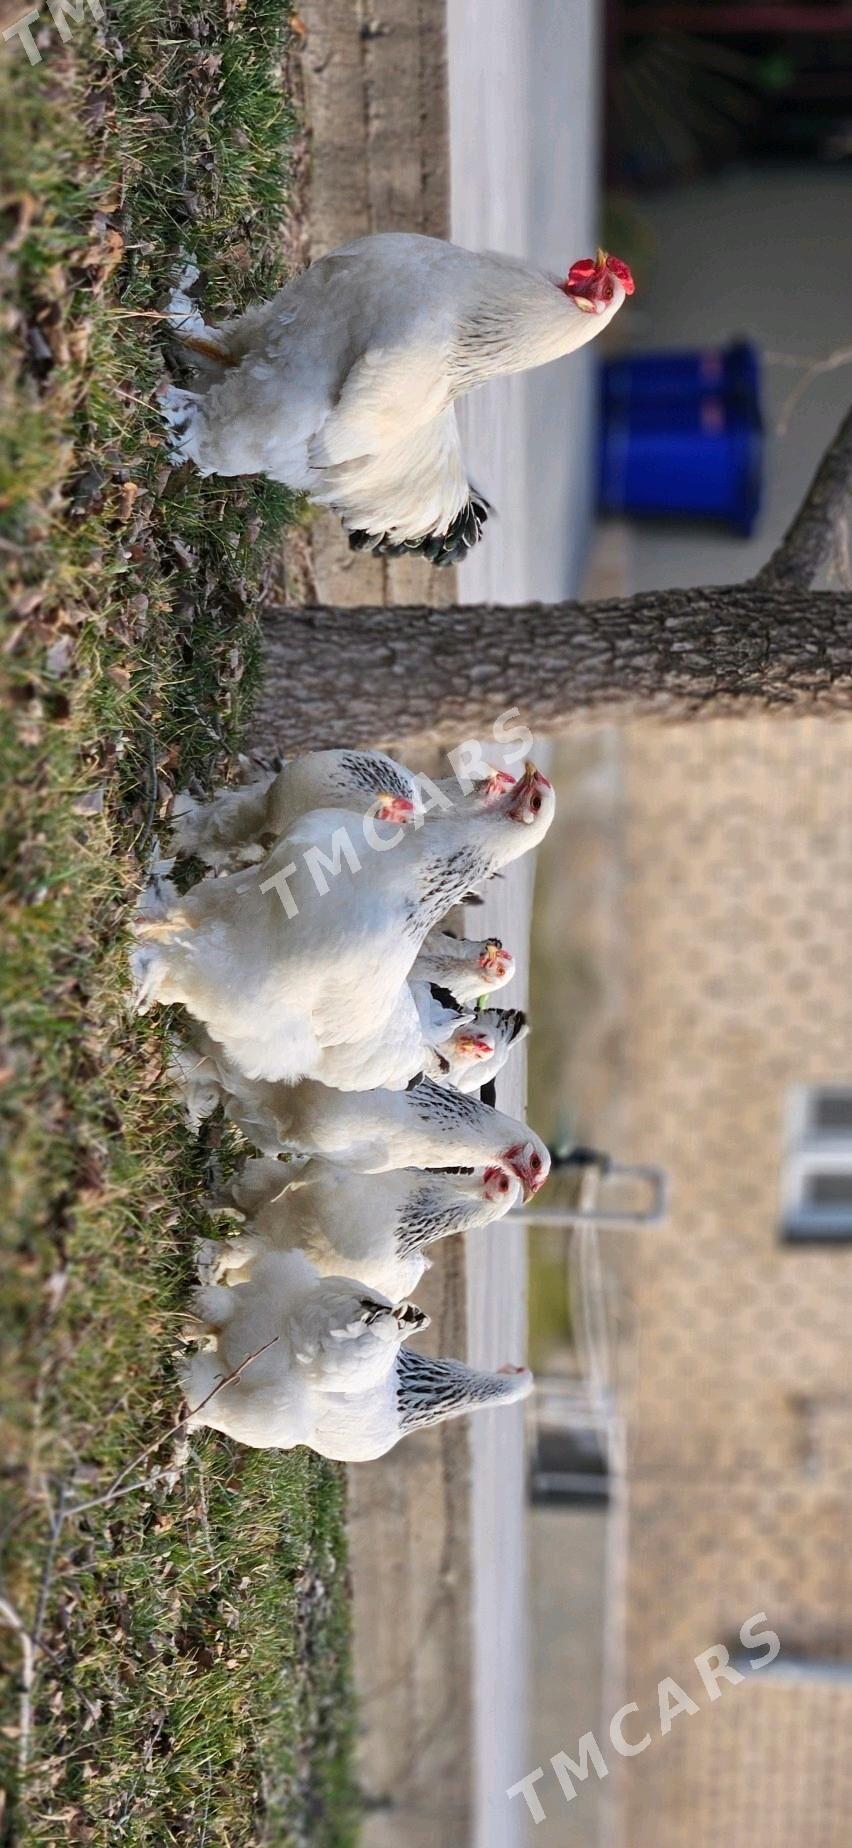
491,954
593,304
521,789
411,1318
527,776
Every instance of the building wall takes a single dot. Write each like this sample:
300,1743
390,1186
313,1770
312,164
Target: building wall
737,1393
691,963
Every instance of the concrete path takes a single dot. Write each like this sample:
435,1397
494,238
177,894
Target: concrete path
523,178
522,80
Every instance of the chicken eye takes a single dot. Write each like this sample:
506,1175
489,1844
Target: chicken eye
535,804
535,1163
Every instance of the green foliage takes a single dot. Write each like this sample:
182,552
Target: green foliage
191,1668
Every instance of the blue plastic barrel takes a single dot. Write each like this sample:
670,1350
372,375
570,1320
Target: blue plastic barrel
681,435
731,372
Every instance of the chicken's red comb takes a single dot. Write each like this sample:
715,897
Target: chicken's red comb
581,271
624,274
587,267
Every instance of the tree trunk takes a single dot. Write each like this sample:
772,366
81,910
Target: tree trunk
368,676
773,644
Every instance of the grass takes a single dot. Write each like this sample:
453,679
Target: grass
549,1318
190,1672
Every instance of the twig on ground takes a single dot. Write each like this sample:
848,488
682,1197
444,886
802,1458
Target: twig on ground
205,1517
9,1616
138,314
56,1519
114,1490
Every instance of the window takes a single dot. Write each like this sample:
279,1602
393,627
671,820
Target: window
817,1175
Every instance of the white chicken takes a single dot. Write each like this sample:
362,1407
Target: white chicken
426,1036
311,950
426,1126
391,1060
422,1039
465,968
475,1057
278,1400
319,1335
470,1045
450,1032
377,1227
344,384
417,1392
236,826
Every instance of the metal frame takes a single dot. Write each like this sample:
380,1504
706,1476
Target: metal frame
613,1221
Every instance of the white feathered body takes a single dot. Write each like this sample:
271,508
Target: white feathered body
278,991
310,951
416,1393
237,825
426,1126
376,1227
344,384
309,1335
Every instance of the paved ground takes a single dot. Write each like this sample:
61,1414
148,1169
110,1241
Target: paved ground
568,1679
375,109
523,178
522,170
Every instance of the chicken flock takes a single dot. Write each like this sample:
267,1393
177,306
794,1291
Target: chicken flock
335,1014
344,1031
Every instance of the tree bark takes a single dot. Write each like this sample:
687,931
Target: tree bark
774,644
354,677
816,542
